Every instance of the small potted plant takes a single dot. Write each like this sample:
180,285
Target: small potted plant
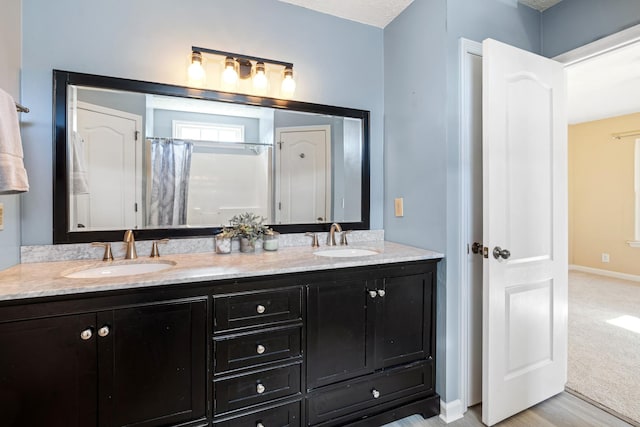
249,228
223,240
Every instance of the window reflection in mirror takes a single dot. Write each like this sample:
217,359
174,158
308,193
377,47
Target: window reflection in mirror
145,161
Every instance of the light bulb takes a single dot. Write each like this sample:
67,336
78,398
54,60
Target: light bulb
229,75
259,78
288,84
196,71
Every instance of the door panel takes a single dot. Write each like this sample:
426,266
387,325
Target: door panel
158,362
48,372
524,212
340,332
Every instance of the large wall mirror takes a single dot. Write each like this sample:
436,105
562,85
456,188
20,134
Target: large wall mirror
172,161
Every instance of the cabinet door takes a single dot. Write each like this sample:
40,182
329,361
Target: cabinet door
404,319
48,372
340,332
153,364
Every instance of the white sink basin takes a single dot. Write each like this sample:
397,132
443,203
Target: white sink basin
345,253
115,270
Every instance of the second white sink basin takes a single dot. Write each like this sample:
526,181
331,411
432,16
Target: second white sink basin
115,270
345,253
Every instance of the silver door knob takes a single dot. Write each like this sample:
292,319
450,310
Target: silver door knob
260,388
259,424
375,393
373,294
498,253
261,309
260,349
86,334
381,292
104,331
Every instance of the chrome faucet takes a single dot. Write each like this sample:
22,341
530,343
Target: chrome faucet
131,245
331,240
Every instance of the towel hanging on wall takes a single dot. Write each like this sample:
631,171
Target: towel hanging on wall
13,176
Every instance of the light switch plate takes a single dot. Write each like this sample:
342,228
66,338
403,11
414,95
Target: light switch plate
399,206
1,216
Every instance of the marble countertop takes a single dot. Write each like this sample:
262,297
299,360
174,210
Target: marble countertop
43,279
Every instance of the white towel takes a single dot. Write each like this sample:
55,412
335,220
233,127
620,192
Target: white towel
79,180
13,176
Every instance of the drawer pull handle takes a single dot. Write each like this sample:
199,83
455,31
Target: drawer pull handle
260,388
104,331
375,393
373,294
259,424
86,334
260,349
261,309
381,293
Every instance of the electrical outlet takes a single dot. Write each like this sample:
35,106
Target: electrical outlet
1,216
605,257
399,206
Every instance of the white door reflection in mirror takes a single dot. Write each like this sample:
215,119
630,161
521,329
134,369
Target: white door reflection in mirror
104,152
303,178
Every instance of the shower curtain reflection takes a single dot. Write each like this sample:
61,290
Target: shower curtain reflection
168,166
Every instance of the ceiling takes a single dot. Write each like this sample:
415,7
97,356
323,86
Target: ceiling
379,13
607,85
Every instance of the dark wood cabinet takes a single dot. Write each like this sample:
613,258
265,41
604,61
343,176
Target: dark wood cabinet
335,347
134,366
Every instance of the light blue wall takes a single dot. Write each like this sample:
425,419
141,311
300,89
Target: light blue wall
574,23
421,137
10,82
337,62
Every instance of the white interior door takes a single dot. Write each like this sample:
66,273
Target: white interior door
525,213
303,174
111,162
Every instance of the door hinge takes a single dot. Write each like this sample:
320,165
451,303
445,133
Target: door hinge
136,135
279,206
280,144
135,207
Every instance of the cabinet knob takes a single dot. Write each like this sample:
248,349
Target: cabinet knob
260,388
86,334
259,424
375,393
373,294
381,293
260,349
261,309
104,331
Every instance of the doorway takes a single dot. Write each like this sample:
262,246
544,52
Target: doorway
470,309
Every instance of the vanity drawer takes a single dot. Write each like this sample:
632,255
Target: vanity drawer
254,388
281,416
257,308
343,399
241,351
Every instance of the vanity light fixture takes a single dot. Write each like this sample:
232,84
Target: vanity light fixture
242,67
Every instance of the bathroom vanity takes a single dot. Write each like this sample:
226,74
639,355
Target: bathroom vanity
286,338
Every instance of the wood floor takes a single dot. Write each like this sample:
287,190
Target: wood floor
563,410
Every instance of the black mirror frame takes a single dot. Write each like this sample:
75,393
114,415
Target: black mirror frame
61,79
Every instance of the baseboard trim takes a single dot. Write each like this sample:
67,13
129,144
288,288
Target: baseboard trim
608,273
451,411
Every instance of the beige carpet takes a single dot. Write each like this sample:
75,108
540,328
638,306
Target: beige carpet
604,359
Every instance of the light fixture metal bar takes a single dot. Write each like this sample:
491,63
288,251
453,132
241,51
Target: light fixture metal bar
238,56
620,135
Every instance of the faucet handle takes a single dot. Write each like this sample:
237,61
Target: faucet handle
154,247
343,237
108,255
128,236
314,242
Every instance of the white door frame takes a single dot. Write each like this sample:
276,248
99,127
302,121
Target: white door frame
466,48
